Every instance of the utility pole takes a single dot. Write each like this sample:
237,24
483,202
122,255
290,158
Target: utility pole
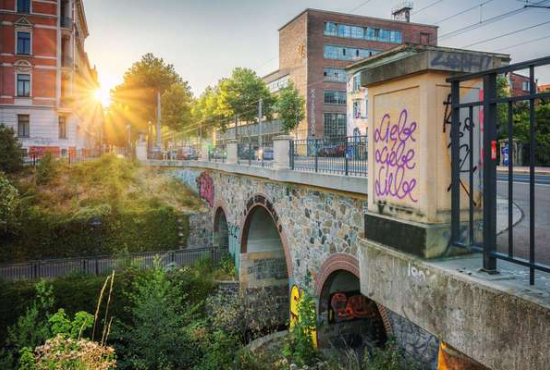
159,116
260,115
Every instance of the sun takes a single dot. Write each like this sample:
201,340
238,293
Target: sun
103,96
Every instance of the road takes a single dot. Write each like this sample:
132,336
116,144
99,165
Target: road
542,216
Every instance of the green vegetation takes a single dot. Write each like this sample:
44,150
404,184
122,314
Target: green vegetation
291,107
50,215
11,159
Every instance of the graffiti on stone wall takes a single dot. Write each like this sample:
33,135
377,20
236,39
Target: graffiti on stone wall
350,306
394,158
205,186
187,177
295,297
466,129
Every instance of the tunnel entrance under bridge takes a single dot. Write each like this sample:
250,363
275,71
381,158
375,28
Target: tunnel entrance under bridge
265,267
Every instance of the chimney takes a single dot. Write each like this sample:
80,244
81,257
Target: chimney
402,12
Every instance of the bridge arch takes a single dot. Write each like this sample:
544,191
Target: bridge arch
347,318
221,225
260,219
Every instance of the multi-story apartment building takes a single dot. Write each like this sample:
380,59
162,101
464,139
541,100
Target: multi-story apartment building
316,46
46,79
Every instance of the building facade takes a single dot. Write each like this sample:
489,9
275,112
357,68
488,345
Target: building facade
46,79
316,46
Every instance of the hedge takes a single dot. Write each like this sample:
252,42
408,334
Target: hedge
42,236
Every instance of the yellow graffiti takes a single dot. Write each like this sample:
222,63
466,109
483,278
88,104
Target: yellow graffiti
295,296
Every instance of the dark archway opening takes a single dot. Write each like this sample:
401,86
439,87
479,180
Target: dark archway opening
264,272
347,318
221,229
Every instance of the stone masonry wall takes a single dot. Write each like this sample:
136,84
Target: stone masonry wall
317,224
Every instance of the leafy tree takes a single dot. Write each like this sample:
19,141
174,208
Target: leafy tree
240,94
291,107
206,113
155,338
135,100
11,159
9,199
542,131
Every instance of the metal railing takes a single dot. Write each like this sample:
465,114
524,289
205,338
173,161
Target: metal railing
474,158
69,156
100,265
217,153
344,155
183,153
254,155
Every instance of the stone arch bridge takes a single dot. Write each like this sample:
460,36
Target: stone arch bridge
375,252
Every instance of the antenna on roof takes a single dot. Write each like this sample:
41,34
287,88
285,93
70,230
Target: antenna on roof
402,12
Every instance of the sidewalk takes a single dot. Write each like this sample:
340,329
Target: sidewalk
525,170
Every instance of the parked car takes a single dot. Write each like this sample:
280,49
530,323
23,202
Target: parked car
268,154
187,154
331,151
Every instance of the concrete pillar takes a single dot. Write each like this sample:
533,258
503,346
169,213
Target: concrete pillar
232,152
141,151
281,152
204,153
409,143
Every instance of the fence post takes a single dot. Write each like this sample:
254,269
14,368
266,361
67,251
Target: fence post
213,256
35,270
346,164
291,151
84,266
96,266
316,154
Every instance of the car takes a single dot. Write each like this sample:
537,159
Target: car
187,153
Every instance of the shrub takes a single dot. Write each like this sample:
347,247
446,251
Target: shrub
47,169
9,200
11,154
155,338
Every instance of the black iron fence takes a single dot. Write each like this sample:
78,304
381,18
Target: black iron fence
255,155
346,155
476,123
70,156
217,153
100,265
179,153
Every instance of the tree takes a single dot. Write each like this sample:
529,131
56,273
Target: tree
135,100
542,131
9,200
290,107
11,154
240,94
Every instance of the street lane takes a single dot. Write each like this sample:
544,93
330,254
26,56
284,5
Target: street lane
524,178
542,218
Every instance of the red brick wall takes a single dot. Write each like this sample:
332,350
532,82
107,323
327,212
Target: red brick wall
290,37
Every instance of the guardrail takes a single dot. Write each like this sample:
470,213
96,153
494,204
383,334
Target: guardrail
346,155
480,118
254,155
100,265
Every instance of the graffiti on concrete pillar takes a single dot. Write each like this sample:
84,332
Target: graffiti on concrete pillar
350,306
394,158
205,185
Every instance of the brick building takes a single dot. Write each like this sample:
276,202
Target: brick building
316,46
519,84
46,79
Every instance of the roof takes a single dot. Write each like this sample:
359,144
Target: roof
313,10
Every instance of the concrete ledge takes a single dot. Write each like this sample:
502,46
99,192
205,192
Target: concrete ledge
348,184
496,320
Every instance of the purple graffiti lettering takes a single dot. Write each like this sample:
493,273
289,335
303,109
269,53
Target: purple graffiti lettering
394,159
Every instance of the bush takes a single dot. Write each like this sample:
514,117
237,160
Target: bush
9,200
11,154
47,169
155,338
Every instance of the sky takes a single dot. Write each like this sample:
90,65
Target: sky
206,39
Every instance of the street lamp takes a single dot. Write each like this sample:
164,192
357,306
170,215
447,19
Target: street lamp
95,225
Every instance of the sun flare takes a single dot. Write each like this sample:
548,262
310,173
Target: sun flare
103,96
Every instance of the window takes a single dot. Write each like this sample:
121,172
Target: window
344,31
357,108
344,53
330,29
24,6
23,125
62,127
23,85
335,97
334,124
357,32
525,86
357,82
335,75
424,38
396,37
24,43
